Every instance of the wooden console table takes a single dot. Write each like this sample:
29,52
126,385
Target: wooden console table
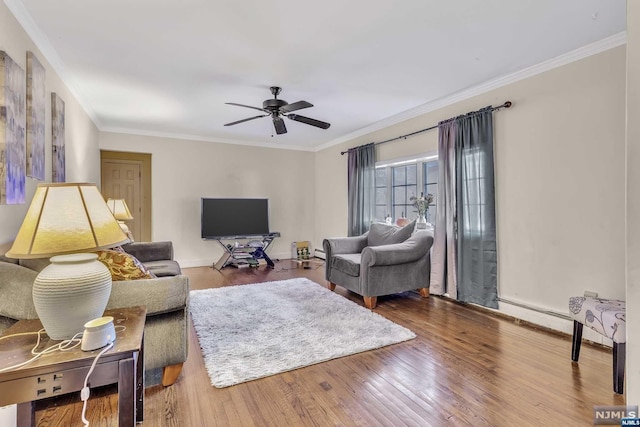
59,372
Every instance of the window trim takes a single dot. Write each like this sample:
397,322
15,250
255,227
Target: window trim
414,158
418,160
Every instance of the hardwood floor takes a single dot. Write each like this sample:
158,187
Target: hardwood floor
466,367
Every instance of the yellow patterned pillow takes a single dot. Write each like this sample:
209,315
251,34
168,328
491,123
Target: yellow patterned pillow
124,266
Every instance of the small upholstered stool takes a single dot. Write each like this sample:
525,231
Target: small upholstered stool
607,317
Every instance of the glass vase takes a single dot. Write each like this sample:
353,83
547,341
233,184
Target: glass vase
421,222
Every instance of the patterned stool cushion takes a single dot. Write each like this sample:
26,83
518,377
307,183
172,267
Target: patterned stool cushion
604,316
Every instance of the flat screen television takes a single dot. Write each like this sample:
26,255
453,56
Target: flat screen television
234,218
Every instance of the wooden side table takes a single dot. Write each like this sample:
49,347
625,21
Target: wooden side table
59,372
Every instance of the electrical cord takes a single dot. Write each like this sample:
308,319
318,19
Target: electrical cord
84,393
65,345
316,265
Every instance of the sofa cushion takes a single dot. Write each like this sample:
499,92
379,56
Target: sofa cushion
347,263
16,300
164,268
384,234
123,266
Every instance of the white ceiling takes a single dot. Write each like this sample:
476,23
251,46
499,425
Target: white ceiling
164,67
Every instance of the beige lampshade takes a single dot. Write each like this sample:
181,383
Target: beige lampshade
66,218
120,209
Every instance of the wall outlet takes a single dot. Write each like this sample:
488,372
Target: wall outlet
590,294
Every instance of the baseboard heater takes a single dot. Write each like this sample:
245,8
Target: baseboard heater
319,253
534,308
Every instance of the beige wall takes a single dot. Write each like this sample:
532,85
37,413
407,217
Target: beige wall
82,155
560,180
184,171
633,202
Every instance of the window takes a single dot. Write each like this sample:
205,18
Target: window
476,209
382,194
403,188
398,181
430,172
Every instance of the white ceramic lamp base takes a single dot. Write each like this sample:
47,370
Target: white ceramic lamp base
69,292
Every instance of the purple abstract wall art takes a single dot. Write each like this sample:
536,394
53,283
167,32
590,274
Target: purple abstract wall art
57,139
12,131
36,105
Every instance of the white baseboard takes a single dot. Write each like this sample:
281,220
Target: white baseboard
543,317
551,322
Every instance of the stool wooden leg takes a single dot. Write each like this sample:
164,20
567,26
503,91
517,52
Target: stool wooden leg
577,340
619,350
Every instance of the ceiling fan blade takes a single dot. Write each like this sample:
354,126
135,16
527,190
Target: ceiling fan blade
245,120
278,123
309,121
296,106
247,106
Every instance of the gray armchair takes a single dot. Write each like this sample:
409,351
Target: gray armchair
384,261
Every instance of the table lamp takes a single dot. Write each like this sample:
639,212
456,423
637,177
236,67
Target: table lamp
64,221
121,213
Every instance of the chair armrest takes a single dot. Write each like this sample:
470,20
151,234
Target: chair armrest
150,251
341,245
159,295
412,249
344,245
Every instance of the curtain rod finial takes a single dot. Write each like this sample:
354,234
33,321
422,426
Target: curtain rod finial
507,104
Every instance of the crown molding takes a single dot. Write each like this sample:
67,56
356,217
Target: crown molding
46,48
189,137
610,42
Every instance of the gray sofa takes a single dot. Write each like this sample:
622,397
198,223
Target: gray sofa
166,298
384,261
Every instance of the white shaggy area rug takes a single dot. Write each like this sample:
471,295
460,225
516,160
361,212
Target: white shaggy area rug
253,331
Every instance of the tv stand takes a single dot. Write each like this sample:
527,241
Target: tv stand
250,250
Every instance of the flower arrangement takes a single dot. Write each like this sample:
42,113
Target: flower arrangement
421,204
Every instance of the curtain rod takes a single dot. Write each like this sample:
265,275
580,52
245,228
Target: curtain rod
507,104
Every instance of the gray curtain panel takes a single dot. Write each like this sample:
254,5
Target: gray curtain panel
475,200
361,188
443,255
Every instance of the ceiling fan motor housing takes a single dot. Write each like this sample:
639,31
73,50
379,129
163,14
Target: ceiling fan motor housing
274,104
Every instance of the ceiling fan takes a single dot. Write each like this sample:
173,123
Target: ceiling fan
277,108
